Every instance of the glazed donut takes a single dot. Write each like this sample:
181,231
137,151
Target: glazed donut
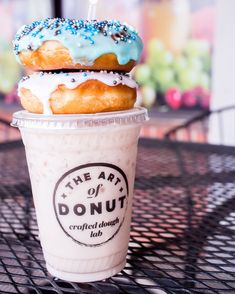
58,43
76,93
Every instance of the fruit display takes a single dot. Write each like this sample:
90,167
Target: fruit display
9,68
183,80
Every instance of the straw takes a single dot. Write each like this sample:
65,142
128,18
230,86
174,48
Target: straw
92,10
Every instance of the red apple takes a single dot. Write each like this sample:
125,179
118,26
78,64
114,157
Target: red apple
203,96
173,98
189,98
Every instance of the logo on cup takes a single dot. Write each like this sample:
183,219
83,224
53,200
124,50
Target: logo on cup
90,203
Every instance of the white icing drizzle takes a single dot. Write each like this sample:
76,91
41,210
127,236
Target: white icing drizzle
42,85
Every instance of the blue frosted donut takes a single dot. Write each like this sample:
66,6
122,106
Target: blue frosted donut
59,43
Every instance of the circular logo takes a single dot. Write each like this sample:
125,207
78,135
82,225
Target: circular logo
90,202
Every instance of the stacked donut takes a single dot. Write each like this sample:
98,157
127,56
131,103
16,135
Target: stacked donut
80,66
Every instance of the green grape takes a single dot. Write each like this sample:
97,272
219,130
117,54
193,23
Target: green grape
165,78
167,59
151,63
206,60
196,48
155,73
157,55
142,74
9,72
188,79
174,84
155,47
204,81
164,59
151,83
180,63
195,63
165,75
148,94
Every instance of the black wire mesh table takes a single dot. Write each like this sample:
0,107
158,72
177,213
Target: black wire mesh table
183,228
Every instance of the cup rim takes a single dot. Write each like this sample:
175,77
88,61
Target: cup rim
25,119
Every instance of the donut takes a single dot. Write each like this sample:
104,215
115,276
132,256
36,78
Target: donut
59,43
77,92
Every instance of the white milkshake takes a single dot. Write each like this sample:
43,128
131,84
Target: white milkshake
82,170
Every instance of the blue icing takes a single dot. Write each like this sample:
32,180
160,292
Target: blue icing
85,40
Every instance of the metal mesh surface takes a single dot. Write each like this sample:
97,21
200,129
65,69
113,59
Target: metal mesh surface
183,227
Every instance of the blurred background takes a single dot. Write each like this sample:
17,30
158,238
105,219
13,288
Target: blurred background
175,72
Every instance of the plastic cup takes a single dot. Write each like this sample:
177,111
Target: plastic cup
82,170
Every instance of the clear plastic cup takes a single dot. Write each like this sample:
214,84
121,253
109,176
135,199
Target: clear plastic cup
82,170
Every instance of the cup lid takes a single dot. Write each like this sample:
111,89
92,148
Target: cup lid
25,119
